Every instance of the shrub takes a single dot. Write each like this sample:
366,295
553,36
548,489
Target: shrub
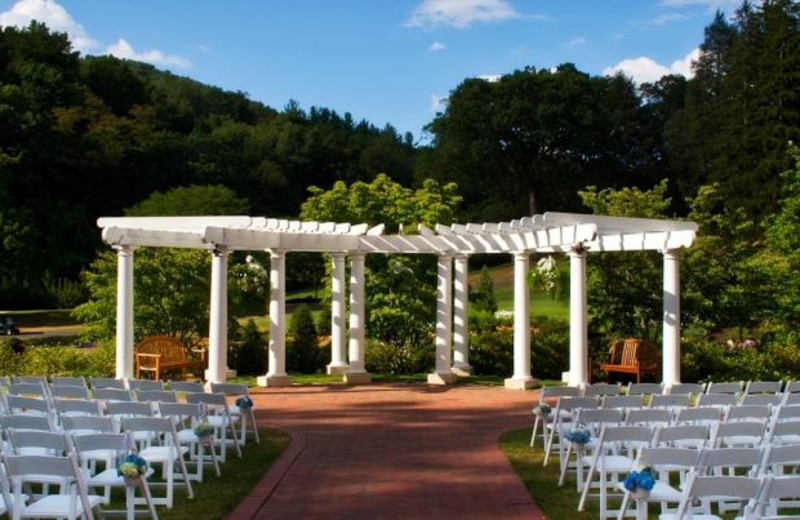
386,358
303,354
59,360
481,320
323,322
491,353
250,355
483,298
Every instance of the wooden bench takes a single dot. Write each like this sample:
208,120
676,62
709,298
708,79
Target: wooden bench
633,356
159,354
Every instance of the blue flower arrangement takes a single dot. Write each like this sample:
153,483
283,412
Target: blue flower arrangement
244,403
578,435
637,480
132,466
542,409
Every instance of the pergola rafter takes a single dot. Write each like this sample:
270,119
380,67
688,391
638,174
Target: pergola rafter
571,233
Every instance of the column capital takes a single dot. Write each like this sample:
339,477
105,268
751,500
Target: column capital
218,249
578,251
672,254
461,256
338,255
357,254
277,253
123,250
445,255
521,255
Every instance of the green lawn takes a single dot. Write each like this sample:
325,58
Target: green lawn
503,281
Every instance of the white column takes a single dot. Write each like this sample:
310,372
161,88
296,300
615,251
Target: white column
218,317
671,348
444,321
461,364
578,336
521,380
124,312
338,364
356,373
276,374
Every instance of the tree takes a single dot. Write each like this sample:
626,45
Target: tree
483,298
303,354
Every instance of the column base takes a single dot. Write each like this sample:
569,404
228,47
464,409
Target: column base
442,378
229,373
357,378
521,384
462,370
336,370
274,380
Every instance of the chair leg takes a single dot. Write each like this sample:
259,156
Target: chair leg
255,426
533,433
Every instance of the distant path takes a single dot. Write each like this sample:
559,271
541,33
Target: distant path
391,451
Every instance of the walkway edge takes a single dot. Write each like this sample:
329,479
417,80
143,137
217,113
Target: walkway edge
515,491
259,495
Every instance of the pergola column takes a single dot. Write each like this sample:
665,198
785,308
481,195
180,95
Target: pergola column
578,339
356,373
124,368
444,322
338,365
521,380
218,317
276,375
461,364
671,348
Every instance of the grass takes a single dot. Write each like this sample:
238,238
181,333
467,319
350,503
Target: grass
218,497
503,281
324,379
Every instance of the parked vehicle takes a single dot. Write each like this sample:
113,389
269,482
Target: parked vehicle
8,326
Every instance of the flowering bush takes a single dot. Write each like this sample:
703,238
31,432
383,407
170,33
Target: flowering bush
578,435
132,466
244,403
640,480
203,430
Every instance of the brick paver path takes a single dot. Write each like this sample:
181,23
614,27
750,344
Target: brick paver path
391,451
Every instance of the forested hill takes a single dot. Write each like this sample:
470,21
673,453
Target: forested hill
86,137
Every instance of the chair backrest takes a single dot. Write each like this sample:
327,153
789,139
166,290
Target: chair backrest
636,435
741,430
145,384
28,389
762,399
645,388
113,394
68,381
670,457
70,392
602,389
622,401
22,439
670,401
687,388
119,442
148,424
234,388
694,435
552,392
749,413
733,387
647,416
781,431
88,423
792,387
777,457
106,382
182,411
30,380
763,387
574,403
776,488
27,422
77,407
217,400
747,458
156,396
596,419
27,404
129,409
791,399
788,413
704,415
698,486
186,386
717,400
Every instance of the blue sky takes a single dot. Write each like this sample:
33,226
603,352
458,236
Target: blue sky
387,61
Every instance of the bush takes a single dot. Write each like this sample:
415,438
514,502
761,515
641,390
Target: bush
481,320
303,354
492,353
483,298
249,356
59,360
323,322
386,358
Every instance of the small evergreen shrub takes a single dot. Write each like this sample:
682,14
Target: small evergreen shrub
303,354
250,355
481,320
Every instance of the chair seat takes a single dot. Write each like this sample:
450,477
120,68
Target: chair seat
162,453
102,455
110,477
187,436
56,506
786,439
220,421
661,492
610,463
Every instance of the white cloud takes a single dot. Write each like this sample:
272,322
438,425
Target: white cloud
123,49
726,5
576,42
664,19
491,78
437,46
460,13
53,15
647,70
438,103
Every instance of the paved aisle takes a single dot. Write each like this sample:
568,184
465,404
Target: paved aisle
391,451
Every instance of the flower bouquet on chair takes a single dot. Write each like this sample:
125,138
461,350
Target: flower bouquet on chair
244,403
542,409
132,468
640,483
204,432
579,436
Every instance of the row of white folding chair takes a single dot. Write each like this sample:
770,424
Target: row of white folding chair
108,448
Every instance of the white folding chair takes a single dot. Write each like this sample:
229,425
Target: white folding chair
645,389
113,394
119,410
690,436
68,381
73,500
106,382
664,462
791,399
112,447
784,432
648,417
779,493
670,401
70,392
549,395
593,420
623,401
167,455
35,442
602,389
6,502
742,434
27,422
247,415
564,415
762,399
73,407
220,419
717,400
187,386
706,415
145,384
744,489
751,412
88,424
688,388
615,454
732,387
186,417
763,387
156,396
26,404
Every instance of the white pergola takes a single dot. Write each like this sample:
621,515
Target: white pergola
573,234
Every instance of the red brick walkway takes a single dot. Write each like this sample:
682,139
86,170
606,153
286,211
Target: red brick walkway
391,451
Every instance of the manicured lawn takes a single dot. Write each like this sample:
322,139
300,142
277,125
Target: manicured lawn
218,497
503,280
